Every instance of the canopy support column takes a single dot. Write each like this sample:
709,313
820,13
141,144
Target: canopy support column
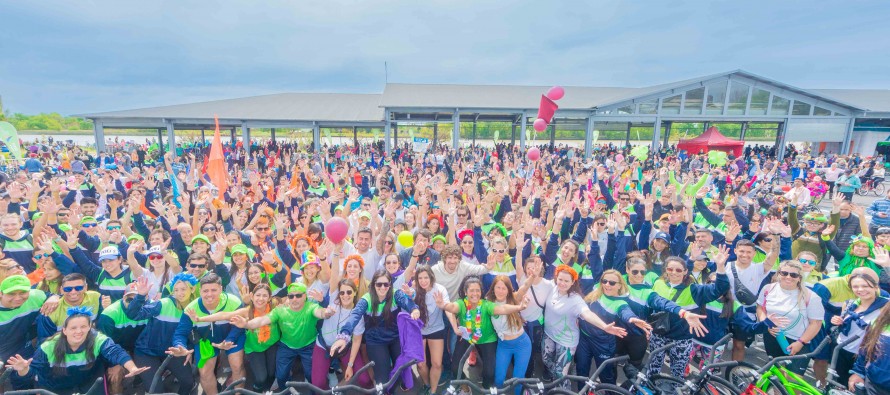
513,133
743,131
161,140
667,132
588,138
522,130
99,134
455,132
475,119
848,137
627,136
553,134
203,138
273,135
436,133
355,136
171,137
316,137
656,133
387,131
780,140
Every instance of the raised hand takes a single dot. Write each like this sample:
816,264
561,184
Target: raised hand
696,326
20,364
882,257
143,286
828,230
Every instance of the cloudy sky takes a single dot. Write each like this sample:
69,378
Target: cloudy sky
89,56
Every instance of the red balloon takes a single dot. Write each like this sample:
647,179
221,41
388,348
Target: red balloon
540,125
335,230
556,93
534,154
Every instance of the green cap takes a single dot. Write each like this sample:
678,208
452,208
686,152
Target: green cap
134,237
239,249
87,219
299,288
36,216
202,238
20,283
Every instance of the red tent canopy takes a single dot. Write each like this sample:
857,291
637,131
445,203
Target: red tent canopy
712,139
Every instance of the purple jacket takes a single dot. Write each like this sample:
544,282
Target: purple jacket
411,342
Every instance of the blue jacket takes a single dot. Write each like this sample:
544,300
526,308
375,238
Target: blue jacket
611,310
77,377
376,330
877,371
718,326
158,334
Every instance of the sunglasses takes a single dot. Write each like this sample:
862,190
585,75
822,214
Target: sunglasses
601,223
62,214
638,272
88,225
467,242
77,288
610,283
462,215
670,270
381,284
155,257
388,242
346,292
114,228
263,229
210,229
41,256
789,274
807,261
498,251
197,265
294,296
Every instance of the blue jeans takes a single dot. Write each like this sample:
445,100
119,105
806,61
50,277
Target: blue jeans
519,350
284,361
594,349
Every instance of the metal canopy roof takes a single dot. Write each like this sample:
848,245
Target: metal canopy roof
507,97
333,107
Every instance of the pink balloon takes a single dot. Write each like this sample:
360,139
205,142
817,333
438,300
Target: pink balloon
540,125
534,154
556,93
335,230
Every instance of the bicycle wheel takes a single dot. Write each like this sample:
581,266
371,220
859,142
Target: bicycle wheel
609,389
878,189
719,386
667,385
740,376
861,191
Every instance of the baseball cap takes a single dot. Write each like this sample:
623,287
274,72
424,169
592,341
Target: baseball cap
131,289
364,214
663,236
15,283
108,253
200,238
135,236
296,288
664,217
155,250
239,249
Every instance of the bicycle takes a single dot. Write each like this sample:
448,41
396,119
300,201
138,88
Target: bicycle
348,388
705,354
98,388
877,188
775,378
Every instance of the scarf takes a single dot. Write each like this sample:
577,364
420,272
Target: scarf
263,333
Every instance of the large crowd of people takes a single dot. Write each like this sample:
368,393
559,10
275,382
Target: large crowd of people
114,261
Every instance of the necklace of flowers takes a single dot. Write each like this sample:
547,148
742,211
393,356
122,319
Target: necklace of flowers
473,326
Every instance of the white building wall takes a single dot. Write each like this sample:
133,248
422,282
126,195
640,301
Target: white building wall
864,143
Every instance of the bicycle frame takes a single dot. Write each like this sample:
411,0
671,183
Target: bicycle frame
787,379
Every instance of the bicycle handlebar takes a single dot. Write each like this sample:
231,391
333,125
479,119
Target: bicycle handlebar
157,378
725,340
808,355
656,351
336,389
351,388
97,388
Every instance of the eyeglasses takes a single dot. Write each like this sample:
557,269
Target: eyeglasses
498,250
197,265
155,257
263,229
670,270
638,272
294,296
114,227
610,283
41,256
210,229
381,284
76,288
88,225
346,292
459,215
388,242
789,274
810,262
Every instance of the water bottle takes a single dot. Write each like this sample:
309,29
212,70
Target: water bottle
783,342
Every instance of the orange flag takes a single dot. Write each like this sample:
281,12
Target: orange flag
216,163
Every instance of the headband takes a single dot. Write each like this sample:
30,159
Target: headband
568,269
187,277
79,310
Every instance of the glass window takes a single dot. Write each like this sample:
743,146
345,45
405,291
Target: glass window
716,97
801,108
738,99
780,106
821,112
693,102
649,107
626,110
671,105
759,102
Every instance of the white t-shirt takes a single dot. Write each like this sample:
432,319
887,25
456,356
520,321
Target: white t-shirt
434,321
542,291
502,326
332,326
799,311
155,283
561,318
751,277
451,281
372,260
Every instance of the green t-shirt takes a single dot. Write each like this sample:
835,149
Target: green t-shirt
485,313
297,327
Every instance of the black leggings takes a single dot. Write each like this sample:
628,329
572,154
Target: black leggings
487,356
633,346
262,367
383,356
176,367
